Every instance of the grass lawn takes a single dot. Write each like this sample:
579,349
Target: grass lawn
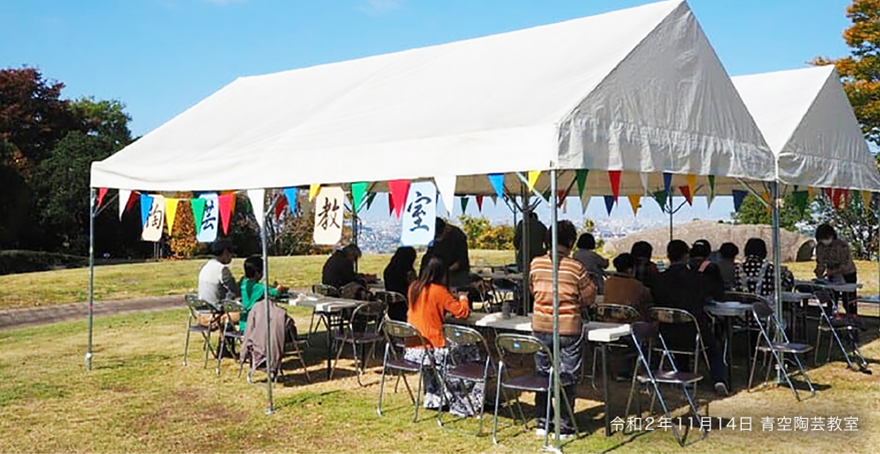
113,282
140,398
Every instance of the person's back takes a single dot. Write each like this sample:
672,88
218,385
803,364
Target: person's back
537,232
450,245
711,283
427,312
338,270
645,270
397,276
624,289
215,279
727,264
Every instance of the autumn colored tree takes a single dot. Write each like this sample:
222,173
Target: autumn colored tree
182,239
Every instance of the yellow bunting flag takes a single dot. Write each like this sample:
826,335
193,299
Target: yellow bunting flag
766,197
170,212
533,178
811,191
313,191
866,200
634,200
692,183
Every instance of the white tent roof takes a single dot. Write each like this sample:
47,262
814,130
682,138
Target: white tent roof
808,122
639,90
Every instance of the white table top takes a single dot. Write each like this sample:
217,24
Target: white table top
795,297
596,331
324,303
830,286
728,309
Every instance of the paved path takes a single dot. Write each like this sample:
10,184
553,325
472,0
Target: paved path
13,318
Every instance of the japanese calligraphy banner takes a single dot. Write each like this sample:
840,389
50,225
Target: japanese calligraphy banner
419,215
329,204
210,219
155,220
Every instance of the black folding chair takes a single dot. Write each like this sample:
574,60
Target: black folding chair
670,317
230,333
205,316
396,304
842,331
397,335
644,336
474,372
292,349
520,345
768,324
362,329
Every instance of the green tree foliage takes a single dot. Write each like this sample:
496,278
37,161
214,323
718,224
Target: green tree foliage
753,211
482,234
854,223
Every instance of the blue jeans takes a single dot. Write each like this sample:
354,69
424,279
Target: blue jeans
570,357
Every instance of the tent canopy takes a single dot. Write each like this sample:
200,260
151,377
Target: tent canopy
639,90
808,122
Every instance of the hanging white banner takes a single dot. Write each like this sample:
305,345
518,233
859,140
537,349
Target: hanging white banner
446,188
419,214
124,195
258,203
329,209
210,220
155,220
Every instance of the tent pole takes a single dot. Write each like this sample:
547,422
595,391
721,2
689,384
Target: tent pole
671,213
777,267
270,408
525,251
92,198
554,254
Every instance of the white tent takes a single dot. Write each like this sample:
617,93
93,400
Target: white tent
639,90
808,122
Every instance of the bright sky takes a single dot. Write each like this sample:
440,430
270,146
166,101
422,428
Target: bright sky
160,57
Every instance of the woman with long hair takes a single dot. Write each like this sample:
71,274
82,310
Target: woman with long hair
429,301
399,273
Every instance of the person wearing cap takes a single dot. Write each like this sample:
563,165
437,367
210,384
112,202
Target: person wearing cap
215,279
339,269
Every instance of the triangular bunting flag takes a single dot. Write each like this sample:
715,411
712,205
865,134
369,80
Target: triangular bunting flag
464,203
644,179
225,203
258,204
581,177
801,199
634,200
290,195
866,201
533,179
370,198
146,205
811,191
585,202
765,196
390,204
660,197
561,195
829,194
846,196
480,203
124,201
711,189
446,189
686,192
738,197
198,209
170,212
313,191
358,190
692,184
494,199
497,182
667,183
399,189
280,205
614,178
101,193
609,203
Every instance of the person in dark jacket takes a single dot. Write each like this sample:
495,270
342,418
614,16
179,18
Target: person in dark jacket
711,282
399,273
339,269
537,232
645,270
450,245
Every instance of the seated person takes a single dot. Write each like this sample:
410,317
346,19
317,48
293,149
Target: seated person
339,272
710,275
593,262
429,301
679,287
727,264
252,290
215,279
398,275
623,288
756,274
577,293
645,270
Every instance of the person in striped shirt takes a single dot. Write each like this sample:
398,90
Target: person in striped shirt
577,293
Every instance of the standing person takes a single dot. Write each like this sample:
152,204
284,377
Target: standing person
679,287
756,274
645,270
576,294
215,279
450,245
727,264
834,262
592,261
398,275
711,282
537,233
429,301
623,288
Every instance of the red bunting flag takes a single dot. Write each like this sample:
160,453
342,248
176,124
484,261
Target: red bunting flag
686,192
829,193
398,189
480,203
280,206
101,193
614,177
838,198
390,204
227,206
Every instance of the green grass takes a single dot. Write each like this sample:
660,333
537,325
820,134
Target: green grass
114,282
140,398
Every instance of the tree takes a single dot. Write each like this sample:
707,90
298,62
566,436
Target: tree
753,211
482,234
860,71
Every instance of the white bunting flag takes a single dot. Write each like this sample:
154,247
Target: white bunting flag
446,188
155,220
124,195
419,214
258,197
329,209
210,220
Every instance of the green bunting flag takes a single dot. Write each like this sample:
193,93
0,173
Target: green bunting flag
711,189
357,195
581,176
464,203
660,197
198,209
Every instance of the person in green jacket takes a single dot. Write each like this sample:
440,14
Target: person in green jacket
252,289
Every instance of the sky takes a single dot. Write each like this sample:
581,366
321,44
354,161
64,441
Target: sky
160,57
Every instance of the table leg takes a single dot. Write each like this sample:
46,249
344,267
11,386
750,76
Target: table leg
728,355
327,322
604,349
